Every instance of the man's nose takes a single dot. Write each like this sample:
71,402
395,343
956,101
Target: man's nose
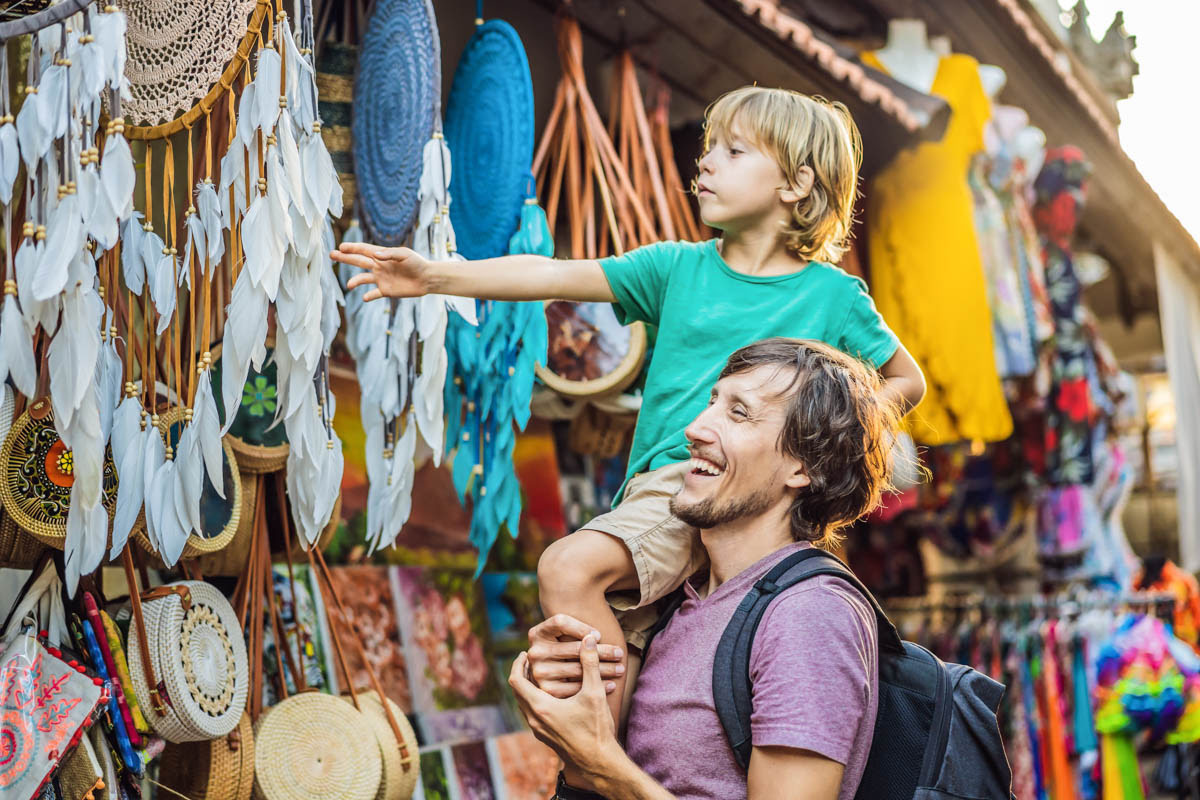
700,430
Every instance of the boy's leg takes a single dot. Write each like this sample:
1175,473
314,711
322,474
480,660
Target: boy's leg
575,575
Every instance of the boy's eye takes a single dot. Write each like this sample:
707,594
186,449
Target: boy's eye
733,151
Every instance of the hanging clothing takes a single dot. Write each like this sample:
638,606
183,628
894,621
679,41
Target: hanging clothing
1184,588
1070,412
927,275
1012,330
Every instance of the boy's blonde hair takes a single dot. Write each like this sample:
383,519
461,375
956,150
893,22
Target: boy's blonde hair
800,131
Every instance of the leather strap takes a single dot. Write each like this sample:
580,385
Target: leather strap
159,592
158,691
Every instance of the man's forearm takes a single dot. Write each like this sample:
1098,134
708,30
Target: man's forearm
618,778
519,277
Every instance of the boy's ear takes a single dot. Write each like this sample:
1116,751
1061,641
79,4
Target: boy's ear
800,188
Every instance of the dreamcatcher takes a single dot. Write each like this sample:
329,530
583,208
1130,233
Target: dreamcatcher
590,352
489,125
399,346
58,323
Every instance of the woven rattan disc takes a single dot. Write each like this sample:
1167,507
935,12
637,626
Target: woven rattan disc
489,127
36,475
315,746
177,50
258,446
397,95
220,769
400,764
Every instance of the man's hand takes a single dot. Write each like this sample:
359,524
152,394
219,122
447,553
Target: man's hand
580,728
555,665
395,271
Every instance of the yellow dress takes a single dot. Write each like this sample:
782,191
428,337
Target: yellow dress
926,272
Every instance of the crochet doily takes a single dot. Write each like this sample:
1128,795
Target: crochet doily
177,52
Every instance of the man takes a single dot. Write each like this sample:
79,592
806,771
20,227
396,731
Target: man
794,445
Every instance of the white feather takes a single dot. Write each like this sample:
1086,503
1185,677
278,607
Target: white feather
64,239
133,262
87,533
196,239
161,506
247,120
232,175
108,386
208,431
33,138
189,473
16,349
266,90
10,158
131,481
153,457
208,206
264,249
117,175
72,356
245,332
162,290
289,157
54,111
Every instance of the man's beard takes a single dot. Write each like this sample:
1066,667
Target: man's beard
707,515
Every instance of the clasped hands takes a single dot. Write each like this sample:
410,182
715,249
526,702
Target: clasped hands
561,684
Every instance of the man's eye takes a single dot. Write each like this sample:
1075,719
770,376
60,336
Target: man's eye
738,411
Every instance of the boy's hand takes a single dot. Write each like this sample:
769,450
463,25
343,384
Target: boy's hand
554,656
395,271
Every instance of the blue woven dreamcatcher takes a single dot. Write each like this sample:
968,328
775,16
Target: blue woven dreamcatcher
489,128
397,100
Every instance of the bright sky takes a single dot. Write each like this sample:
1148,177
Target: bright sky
1159,122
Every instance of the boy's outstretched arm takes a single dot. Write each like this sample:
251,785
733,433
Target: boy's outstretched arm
903,381
401,272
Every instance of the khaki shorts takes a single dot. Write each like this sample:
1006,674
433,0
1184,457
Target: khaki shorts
666,551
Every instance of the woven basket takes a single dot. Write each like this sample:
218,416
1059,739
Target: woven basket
400,764
36,476
199,655
315,745
220,769
252,458
18,550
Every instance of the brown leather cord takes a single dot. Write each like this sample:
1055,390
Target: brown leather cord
285,522
334,634
223,85
135,601
356,639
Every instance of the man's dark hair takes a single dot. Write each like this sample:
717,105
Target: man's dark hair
837,424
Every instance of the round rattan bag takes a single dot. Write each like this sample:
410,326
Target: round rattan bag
400,764
259,445
220,515
198,654
36,475
220,769
315,745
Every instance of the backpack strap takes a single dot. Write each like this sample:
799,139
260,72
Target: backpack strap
732,691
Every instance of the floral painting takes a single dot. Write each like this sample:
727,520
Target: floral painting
445,637
366,593
471,769
462,725
522,767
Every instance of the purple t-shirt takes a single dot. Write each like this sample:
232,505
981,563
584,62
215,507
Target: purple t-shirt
813,669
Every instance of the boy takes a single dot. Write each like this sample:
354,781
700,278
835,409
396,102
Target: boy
778,179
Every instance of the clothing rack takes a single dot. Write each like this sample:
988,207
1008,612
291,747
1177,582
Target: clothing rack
1067,603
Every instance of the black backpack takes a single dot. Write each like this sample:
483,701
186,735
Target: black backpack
936,734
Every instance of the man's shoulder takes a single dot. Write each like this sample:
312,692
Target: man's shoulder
824,606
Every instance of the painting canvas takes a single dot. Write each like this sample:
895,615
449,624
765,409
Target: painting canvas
445,638
462,724
437,776
512,608
301,618
522,767
472,771
366,593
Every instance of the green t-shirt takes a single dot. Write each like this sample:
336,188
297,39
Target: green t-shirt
705,311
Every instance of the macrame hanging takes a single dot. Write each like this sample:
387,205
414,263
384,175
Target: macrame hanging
399,345
57,326
590,352
678,195
489,126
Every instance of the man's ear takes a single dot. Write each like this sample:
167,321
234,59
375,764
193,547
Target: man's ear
798,477
801,186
